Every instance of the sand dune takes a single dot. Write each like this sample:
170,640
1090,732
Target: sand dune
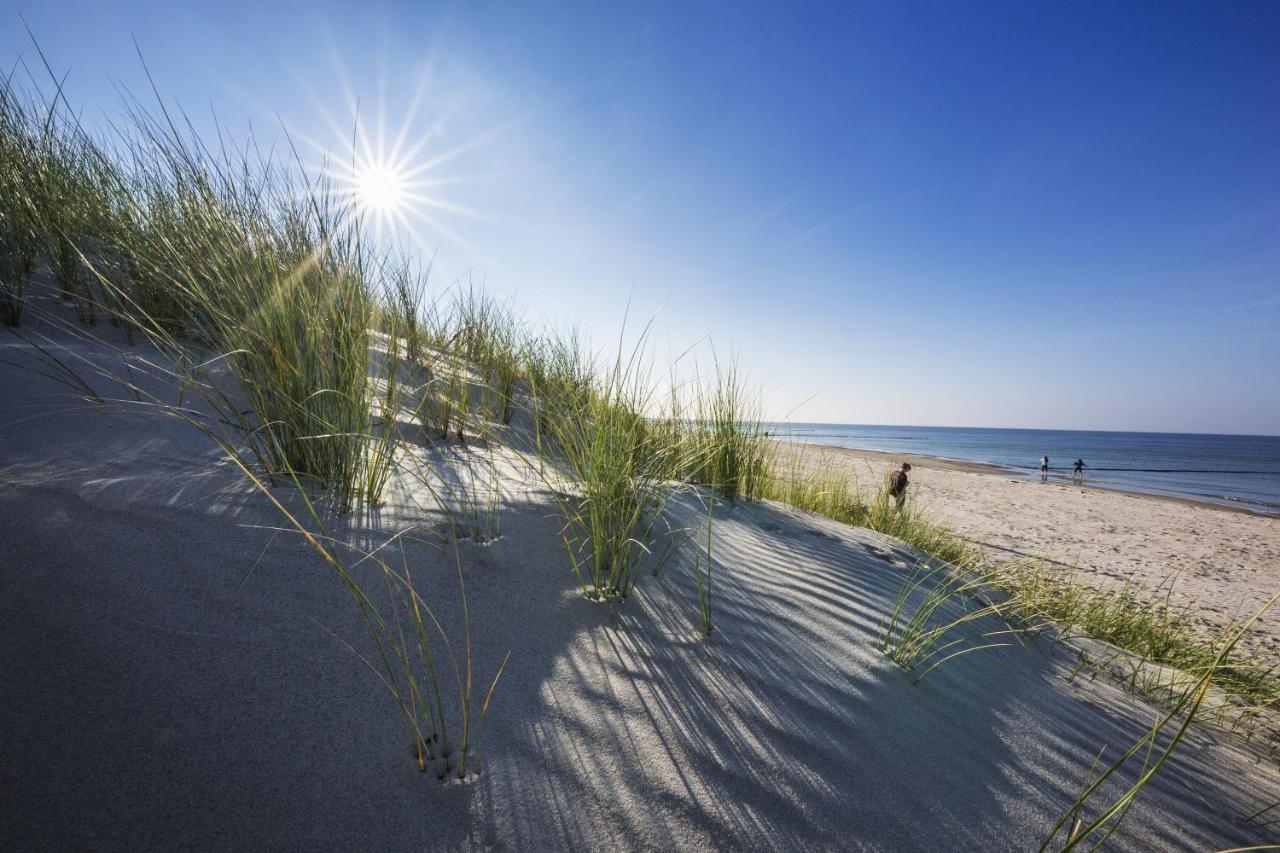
172,681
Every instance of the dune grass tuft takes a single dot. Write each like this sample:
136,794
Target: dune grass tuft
724,445
918,628
407,660
703,571
619,479
20,142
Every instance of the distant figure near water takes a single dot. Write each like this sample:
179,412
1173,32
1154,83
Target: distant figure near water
898,485
1044,469
1078,472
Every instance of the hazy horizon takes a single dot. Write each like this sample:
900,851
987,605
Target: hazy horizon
995,216
1026,429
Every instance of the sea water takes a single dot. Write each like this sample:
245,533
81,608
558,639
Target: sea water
1238,470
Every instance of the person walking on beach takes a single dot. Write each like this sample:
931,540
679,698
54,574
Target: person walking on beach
1078,472
1044,469
898,485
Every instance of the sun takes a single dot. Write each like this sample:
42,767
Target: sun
390,170
381,189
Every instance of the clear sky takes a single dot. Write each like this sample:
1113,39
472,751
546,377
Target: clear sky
1032,215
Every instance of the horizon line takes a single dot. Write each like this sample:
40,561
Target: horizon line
1030,429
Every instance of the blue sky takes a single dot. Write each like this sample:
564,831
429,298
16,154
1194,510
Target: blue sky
1027,215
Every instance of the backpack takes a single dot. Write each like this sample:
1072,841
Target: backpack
897,483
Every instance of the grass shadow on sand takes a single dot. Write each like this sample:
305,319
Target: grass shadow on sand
788,729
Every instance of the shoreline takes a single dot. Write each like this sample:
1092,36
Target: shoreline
1220,563
942,463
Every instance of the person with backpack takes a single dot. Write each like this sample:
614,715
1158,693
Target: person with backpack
898,485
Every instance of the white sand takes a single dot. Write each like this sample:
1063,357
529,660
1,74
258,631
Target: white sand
167,684
1225,564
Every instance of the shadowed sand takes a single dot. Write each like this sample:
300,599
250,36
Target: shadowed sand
170,682
1227,563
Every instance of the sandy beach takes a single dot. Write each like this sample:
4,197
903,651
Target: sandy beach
1224,563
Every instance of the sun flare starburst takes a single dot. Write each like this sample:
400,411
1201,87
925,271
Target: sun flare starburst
396,166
